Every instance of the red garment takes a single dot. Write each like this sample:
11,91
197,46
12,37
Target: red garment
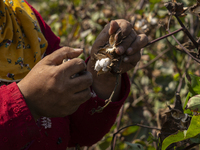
18,130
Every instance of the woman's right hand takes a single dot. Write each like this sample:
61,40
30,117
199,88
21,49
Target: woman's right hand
49,89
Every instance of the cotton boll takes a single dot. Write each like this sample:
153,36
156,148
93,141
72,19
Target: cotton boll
105,57
102,64
154,21
97,66
106,62
104,69
144,27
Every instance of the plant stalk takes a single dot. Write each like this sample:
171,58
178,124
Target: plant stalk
187,32
165,36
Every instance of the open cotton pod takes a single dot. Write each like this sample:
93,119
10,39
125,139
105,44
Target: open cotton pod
105,59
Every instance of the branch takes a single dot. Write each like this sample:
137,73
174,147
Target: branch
136,68
191,146
187,66
187,32
118,125
156,58
165,36
136,124
197,60
183,76
174,58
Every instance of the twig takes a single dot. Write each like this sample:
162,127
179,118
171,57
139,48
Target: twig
187,32
136,124
139,4
191,146
168,24
153,60
140,1
108,101
118,124
179,71
136,68
165,36
138,131
197,60
171,46
183,76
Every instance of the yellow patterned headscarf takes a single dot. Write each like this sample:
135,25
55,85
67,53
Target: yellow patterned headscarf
22,44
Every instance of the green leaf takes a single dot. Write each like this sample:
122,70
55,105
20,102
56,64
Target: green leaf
194,103
76,2
106,143
162,13
151,138
151,148
194,87
135,146
192,131
130,130
139,11
187,111
154,1
196,139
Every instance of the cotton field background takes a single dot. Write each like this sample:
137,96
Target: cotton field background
161,81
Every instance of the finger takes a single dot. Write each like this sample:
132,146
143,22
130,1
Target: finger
72,67
83,95
113,27
108,30
81,82
56,58
126,43
139,43
132,59
125,27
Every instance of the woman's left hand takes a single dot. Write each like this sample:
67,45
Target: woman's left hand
130,45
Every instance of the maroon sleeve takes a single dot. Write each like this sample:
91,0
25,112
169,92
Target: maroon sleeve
87,129
52,39
17,126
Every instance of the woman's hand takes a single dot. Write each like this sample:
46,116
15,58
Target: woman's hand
130,43
130,46
49,88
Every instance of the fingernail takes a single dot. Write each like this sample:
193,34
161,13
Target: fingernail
129,50
120,50
75,75
78,49
125,59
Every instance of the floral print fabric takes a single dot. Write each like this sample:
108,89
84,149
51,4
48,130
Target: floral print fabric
22,43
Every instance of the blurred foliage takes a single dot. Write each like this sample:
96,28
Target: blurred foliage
154,81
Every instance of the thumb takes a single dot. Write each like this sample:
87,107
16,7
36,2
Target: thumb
108,30
113,27
56,58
